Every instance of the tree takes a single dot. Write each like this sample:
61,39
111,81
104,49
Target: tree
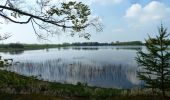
154,63
49,16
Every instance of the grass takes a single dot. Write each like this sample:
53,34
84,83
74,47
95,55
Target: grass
17,87
45,97
16,84
28,97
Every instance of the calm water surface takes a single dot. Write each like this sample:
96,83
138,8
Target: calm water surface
102,66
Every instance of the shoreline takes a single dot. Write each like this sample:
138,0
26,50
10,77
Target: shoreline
14,84
40,48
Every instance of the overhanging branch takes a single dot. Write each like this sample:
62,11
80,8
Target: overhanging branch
35,17
2,15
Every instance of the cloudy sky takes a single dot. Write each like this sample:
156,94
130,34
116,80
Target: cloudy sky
123,20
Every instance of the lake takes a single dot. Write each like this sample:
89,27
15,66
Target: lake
101,66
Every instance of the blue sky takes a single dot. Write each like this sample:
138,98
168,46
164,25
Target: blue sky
123,20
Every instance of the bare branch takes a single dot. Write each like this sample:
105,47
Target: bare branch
2,15
35,17
39,36
5,36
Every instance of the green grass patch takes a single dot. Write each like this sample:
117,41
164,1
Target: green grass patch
17,87
16,84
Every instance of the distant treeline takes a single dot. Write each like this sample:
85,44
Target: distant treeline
128,43
27,46
107,44
90,44
41,46
36,46
117,43
12,45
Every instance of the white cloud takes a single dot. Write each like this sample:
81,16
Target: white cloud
133,11
154,11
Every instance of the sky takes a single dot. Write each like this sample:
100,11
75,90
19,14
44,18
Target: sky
123,20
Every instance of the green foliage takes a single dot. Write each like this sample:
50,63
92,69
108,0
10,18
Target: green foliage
155,62
128,43
154,40
75,13
16,45
1,63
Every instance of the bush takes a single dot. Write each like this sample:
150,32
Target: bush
16,45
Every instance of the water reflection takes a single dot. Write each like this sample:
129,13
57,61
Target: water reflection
85,48
103,66
129,48
109,76
107,47
14,52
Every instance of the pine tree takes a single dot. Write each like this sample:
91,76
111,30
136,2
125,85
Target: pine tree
154,63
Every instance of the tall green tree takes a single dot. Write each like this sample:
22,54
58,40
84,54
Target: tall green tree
154,63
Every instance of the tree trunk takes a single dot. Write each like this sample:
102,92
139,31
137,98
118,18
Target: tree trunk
162,87
163,92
